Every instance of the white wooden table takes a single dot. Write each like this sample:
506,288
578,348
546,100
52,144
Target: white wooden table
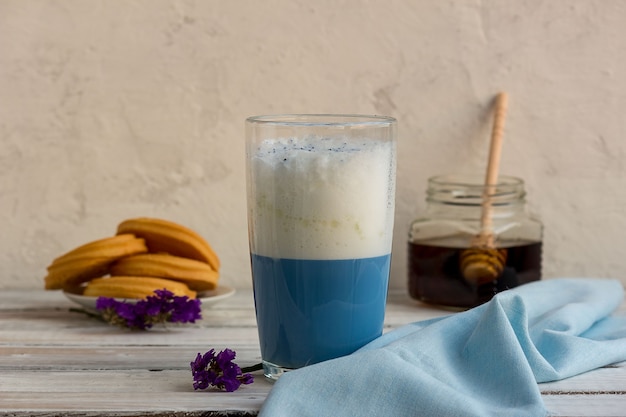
57,362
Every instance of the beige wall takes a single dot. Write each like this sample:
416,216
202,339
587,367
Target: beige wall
114,109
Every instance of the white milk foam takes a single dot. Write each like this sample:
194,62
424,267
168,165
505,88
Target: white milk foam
323,198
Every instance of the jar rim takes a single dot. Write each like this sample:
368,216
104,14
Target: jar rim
470,190
352,120
473,180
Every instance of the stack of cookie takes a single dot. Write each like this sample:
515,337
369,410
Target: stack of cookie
146,254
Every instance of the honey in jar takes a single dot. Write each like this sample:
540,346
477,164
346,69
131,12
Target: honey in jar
441,237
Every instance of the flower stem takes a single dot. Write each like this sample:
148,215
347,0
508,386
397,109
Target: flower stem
256,367
85,312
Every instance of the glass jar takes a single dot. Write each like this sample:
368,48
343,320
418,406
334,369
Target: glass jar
442,239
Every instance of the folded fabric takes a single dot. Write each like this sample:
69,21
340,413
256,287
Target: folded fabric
486,361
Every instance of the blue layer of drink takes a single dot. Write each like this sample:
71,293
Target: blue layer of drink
309,311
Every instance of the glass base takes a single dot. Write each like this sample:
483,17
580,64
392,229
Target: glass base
272,371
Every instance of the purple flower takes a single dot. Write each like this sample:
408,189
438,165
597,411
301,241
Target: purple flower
185,310
102,303
162,307
218,370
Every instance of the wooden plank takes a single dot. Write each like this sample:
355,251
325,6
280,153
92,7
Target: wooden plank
192,404
610,379
138,381
177,397
602,381
110,336
586,405
245,400
22,358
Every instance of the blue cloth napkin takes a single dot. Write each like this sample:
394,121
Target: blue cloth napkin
482,362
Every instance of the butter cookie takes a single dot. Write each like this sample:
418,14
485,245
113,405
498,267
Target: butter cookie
198,276
169,237
134,287
91,260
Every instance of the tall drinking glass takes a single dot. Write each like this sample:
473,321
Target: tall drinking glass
321,197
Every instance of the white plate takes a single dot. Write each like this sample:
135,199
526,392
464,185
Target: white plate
207,298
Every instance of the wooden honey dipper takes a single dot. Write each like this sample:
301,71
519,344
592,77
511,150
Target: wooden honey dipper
483,262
